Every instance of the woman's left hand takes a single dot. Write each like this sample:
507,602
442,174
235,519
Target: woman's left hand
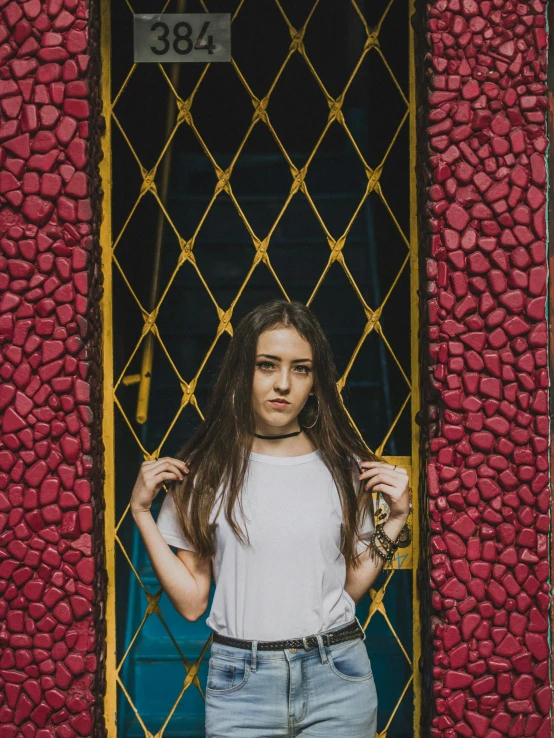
392,481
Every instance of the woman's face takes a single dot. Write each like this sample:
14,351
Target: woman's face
283,378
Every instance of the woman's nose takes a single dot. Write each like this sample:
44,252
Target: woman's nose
282,381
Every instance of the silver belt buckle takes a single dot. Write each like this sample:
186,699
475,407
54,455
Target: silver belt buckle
305,642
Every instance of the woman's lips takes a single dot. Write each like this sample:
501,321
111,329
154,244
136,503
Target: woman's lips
279,403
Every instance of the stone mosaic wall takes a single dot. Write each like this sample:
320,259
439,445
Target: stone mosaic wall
52,581
486,374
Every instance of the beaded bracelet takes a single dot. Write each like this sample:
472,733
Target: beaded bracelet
378,551
383,537
383,534
385,556
388,544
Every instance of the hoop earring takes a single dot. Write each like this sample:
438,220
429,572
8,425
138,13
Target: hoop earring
316,417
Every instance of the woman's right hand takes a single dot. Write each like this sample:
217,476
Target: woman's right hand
151,476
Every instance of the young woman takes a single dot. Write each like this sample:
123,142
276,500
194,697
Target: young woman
288,654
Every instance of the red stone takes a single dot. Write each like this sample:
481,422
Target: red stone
80,606
66,129
455,545
50,186
77,153
78,185
67,209
484,685
19,146
23,67
41,713
75,663
478,722
49,116
76,108
523,687
537,645
543,697
498,665
509,647
538,170
457,679
43,162
82,723
86,570
11,106
8,87
76,41
457,217
500,125
469,622
37,210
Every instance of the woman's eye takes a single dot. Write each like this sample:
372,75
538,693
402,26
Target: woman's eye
270,365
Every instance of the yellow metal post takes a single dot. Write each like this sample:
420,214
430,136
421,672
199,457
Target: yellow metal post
108,430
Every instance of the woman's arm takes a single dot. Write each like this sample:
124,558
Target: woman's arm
359,580
186,585
393,483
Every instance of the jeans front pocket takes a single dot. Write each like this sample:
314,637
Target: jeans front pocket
350,661
226,675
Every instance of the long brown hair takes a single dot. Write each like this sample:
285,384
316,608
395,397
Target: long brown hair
218,451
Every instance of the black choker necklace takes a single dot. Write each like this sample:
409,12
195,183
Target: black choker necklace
287,435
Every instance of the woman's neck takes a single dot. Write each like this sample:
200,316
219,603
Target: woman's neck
293,446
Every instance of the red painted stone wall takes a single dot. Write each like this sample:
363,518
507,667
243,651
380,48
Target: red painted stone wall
51,569
486,379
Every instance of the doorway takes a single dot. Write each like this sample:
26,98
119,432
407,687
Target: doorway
285,172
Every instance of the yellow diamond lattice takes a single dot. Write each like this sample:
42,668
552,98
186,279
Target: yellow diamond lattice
153,184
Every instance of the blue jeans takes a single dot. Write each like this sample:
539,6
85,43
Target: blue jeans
325,691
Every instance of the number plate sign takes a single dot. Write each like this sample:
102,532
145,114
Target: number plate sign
183,37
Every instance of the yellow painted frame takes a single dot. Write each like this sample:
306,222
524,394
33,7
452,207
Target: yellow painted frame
106,307
108,430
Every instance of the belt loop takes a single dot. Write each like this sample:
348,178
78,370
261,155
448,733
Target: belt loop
361,628
254,653
322,651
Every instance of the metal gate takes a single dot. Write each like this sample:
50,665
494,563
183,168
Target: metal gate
287,172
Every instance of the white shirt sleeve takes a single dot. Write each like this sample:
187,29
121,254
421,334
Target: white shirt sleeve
168,524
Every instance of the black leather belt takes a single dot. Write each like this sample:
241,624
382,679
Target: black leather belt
348,633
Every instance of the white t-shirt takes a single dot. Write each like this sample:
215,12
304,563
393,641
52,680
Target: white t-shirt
290,582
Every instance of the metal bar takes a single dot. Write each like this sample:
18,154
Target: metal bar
376,300
148,351
108,421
